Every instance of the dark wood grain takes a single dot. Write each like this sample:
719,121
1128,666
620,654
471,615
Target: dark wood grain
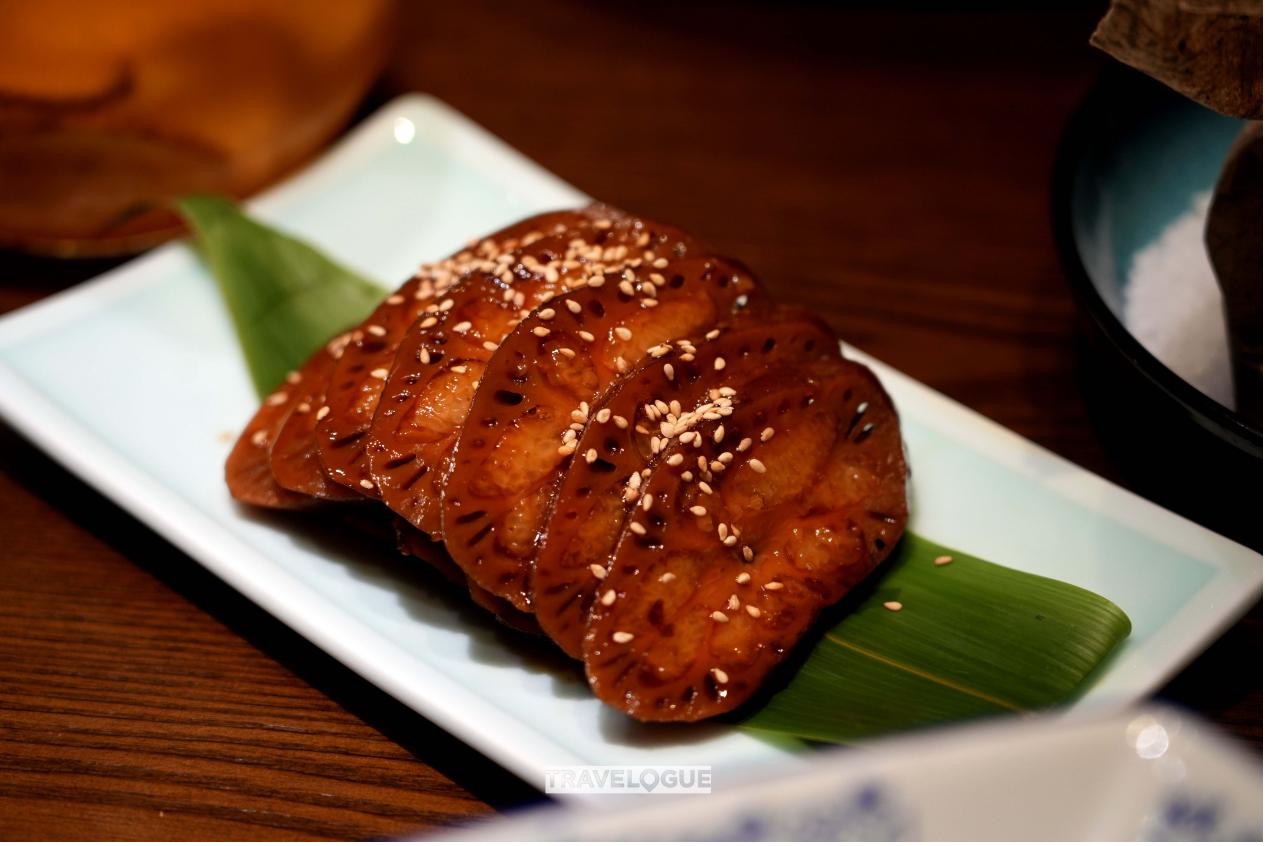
889,169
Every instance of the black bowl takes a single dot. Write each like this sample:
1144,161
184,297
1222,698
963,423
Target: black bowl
1130,161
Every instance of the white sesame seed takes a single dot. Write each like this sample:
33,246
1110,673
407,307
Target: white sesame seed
753,611
590,456
423,355
597,281
540,331
322,412
366,484
659,263
462,327
698,510
726,457
669,371
636,528
646,502
586,336
667,577
608,598
634,481
748,553
687,476
623,333
942,560
766,434
675,459
546,314
893,605
460,368
743,445
712,335
380,373
732,540
621,637
720,675
773,586
490,346
733,604
429,322
566,449
621,422
626,288
743,578
277,399
720,617
757,465
446,304
260,438
375,330
723,531
574,307
719,363
719,434
598,571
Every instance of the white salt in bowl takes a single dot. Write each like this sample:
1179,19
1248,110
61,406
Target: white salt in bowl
1135,168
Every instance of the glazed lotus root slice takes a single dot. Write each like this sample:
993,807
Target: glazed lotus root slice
247,471
415,544
292,457
535,399
593,502
707,592
426,401
356,384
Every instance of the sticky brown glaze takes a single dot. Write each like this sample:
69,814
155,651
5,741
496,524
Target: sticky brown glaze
594,500
427,399
535,397
247,471
357,382
414,543
703,603
292,458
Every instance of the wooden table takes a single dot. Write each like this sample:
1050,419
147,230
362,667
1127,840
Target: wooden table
887,169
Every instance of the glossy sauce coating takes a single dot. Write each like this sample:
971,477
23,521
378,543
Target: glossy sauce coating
431,386
595,498
538,392
708,591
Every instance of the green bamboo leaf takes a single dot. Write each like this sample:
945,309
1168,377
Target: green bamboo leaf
971,639
285,297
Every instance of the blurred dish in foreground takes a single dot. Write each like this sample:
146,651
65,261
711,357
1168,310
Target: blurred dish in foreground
109,111
1149,774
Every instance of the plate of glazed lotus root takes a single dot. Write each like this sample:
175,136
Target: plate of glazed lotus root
623,479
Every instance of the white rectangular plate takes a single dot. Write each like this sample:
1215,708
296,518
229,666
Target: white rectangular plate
135,382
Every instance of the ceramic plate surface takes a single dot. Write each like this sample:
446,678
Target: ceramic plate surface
135,382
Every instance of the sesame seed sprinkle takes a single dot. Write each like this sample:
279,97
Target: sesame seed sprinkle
893,605
608,598
720,616
590,456
675,459
546,314
720,675
753,611
766,434
460,368
540,331
375,330
462,327
748,554
366,484
773,586
586,336
574,307
490,346
667,577
733,604
380,373
636,528
698,510
623,333
757,465
598,571
322,412
719,363
669,371
743,578
621,637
